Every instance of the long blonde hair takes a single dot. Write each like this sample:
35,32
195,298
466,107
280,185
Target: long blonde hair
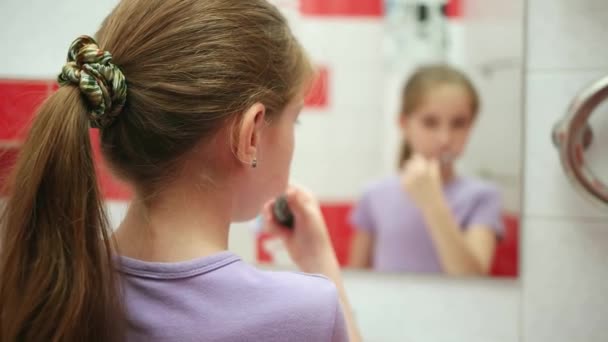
424,80
191,67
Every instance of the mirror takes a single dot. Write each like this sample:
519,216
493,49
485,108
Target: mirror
353,128
354,125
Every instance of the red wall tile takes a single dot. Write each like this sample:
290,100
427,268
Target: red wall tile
8,157
19,100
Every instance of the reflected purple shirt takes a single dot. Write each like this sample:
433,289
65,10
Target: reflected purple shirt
221,298
402,241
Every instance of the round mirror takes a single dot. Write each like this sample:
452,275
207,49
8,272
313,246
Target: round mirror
579,137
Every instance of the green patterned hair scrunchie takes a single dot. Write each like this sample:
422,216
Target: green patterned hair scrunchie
99,80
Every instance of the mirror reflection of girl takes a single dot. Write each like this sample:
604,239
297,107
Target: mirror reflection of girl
429,219
196,104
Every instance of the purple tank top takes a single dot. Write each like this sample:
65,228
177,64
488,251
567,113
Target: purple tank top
402,242
222,298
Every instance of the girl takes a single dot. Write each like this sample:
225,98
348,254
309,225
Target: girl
196,103
427,218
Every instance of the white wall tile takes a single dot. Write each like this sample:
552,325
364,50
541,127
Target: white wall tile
567,34
565,280
36,34
400,308
548,192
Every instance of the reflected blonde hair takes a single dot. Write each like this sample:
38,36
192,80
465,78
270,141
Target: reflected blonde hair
424,80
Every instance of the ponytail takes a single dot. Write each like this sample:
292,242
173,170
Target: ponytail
57,281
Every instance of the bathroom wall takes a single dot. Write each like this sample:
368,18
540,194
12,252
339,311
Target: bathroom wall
565,238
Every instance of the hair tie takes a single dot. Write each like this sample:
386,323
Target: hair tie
99,80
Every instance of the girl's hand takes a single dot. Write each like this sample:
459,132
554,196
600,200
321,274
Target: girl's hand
308,243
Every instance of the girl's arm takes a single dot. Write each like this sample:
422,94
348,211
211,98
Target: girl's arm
460,253
361,249
310,247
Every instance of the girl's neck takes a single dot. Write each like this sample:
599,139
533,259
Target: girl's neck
182,223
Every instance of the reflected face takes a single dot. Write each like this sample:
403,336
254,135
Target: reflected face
439,127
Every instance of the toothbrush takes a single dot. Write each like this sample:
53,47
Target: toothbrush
445,158
282,213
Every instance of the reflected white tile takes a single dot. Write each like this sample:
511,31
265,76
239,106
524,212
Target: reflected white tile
352,86
500,120
242,240
547,190
338,151
482,49
116,210
567,34
565,280
343,40
336,174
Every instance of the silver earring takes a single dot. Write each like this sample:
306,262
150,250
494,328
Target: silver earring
254,163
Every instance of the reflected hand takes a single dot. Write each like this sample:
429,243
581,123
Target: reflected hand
421,179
